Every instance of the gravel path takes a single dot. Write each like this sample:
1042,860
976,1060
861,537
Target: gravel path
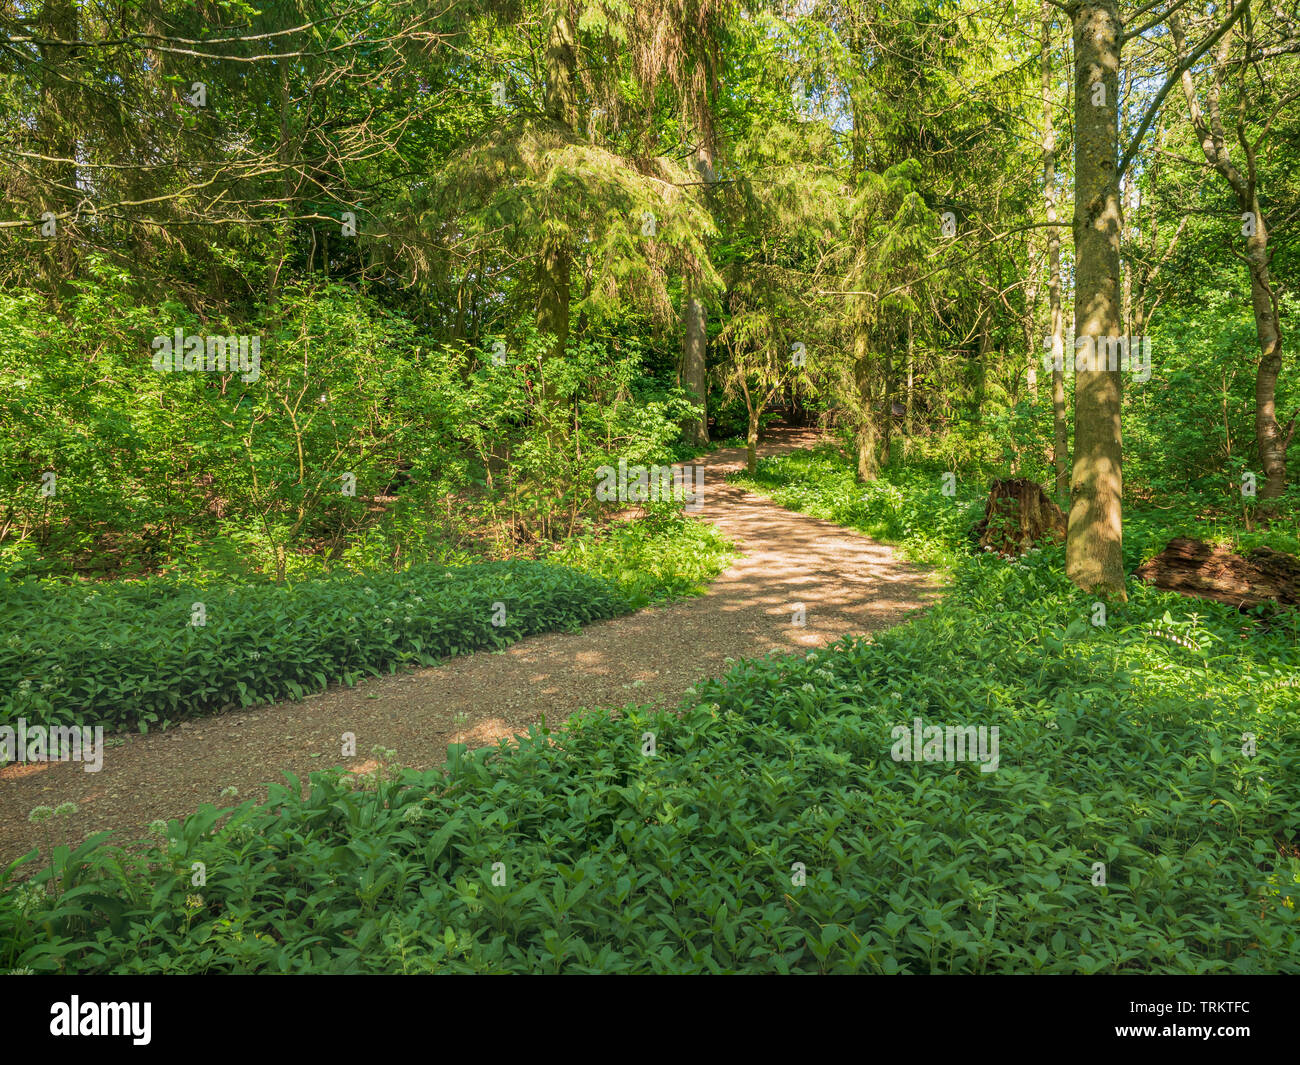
846,583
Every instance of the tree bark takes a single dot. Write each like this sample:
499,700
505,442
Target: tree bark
1031,346
1061,449
866,434
554,255
1094,558
1198,569
693,375
1268,434
553,281
1018,515
753,408
561,99
908,426
887,449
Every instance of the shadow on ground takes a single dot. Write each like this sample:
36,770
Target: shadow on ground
845,583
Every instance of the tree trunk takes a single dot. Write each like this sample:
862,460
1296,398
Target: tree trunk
751,440
982,364
866,435
561,61
1060,452
553,271
1126,266
1209,128
693,373
888,449
692,376
1018,515
908,427
1094,557
554,256
1031,345
1268,434
1198,569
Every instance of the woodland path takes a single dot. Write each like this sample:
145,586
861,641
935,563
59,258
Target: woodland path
846,582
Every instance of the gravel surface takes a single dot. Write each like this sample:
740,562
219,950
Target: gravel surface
845,582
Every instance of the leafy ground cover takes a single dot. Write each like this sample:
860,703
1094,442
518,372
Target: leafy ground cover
913,507
140,653
662,557
1142,818
929,518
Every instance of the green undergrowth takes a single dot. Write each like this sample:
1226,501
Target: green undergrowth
1142,817
929,516
135,654
922,511
664,556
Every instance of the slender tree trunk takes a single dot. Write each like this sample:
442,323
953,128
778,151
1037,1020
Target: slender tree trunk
692,372
693,375
1094,557
888,449
751,442
1268,434
908,427
866,432
1126,265
982,364
1061,448
554,260
1272,445
1031,344
754,408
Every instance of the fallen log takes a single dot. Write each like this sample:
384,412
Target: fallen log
1192,567
1019,515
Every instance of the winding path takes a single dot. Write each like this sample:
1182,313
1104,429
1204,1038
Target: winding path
846,583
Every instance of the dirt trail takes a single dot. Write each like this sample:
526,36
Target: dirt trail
845,582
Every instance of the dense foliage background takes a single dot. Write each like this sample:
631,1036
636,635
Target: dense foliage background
488,248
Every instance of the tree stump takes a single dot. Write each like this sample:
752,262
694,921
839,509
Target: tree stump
1198,569
1019,515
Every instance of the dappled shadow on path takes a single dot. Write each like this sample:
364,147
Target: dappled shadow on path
844,582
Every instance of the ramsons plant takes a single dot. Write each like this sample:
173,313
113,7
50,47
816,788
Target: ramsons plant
1124,830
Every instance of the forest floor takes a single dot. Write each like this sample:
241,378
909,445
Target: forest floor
845,582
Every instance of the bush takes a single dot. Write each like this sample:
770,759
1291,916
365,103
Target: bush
664,556
361,440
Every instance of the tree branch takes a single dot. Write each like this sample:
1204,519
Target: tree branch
1174,76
